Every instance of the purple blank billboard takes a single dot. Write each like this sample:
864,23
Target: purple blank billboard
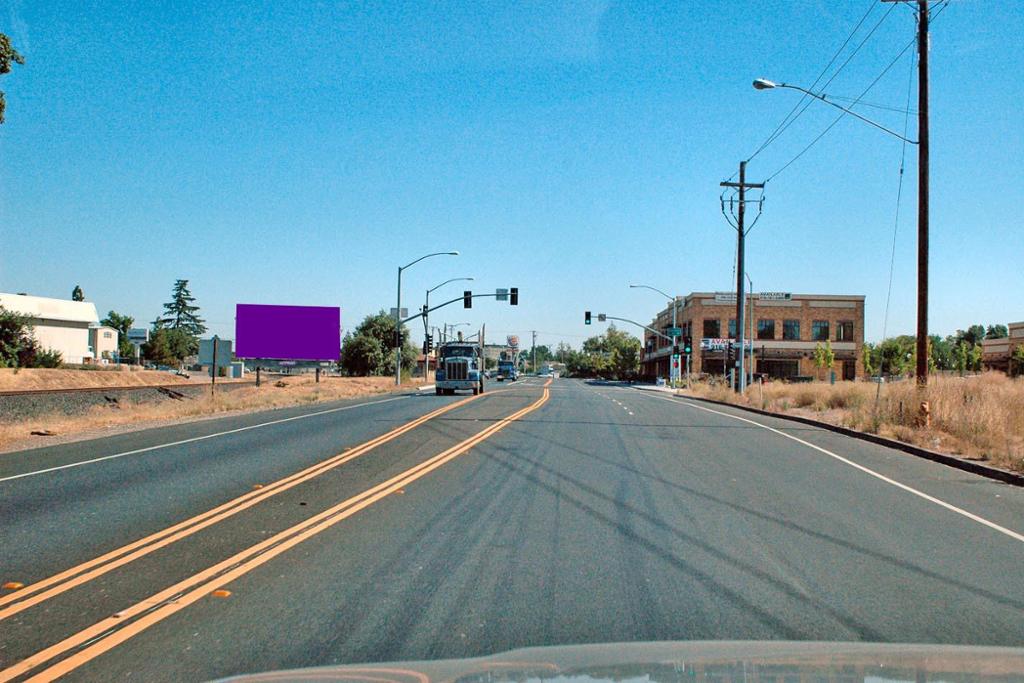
287,332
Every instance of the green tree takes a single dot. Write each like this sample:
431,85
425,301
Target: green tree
77,294
158,348
997,332
181,313
940,353
870,352
824,357
362,355
18,346
1017,361
8,56
121,323
365,360
973,335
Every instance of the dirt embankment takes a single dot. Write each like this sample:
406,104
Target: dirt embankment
144,409
31,379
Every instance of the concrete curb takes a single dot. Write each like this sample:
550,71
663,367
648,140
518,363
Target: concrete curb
971,466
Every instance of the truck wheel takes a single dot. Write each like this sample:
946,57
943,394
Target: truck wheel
481,387
476,391
437,391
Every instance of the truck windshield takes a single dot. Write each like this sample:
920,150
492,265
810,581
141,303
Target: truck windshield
461,351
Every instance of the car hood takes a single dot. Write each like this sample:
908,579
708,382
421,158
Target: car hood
689,662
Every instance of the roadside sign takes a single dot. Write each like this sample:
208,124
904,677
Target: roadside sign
501,294
774,296
674,332
602,317
404,313
721,344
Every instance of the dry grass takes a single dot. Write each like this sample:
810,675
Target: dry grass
128,415
979,417
25,379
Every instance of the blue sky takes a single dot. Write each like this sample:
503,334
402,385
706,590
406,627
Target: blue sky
297,153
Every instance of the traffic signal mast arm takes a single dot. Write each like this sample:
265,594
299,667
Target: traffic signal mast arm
446,303
633,322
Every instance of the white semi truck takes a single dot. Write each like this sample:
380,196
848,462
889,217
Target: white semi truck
459,366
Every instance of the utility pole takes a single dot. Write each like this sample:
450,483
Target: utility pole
922,194
741,233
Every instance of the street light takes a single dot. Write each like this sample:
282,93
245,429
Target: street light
398,312
675,339
426,324
765,84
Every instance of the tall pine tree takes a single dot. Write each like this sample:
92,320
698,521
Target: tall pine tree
181,313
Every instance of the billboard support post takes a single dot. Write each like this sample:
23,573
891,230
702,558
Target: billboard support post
258,375
213,367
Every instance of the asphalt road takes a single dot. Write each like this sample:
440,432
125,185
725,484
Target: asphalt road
424,527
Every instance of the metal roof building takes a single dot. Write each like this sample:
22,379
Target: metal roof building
58,324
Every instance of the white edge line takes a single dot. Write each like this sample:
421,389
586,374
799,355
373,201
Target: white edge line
909,489
196,438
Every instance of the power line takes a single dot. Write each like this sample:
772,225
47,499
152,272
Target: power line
787,121
842,114
858,99
899,196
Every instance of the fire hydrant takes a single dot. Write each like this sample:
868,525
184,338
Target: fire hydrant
926,415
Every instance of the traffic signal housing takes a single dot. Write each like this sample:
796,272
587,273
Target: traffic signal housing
688,345
586,317
467,299
513,296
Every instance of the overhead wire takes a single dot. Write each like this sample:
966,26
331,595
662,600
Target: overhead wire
842,114
857,100
788,120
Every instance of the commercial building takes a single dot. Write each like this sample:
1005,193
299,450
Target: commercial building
103,342
786,330
995,353
62,325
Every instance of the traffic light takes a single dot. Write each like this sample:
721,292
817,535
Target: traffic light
675,349
428,344
513,296
688,345
467,299
426,347
586,317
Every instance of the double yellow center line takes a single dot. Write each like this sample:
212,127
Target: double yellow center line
36,593
112,631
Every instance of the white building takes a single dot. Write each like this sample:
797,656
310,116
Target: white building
59,324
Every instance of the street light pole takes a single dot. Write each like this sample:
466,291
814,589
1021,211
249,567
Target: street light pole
675,338
398,312
426,323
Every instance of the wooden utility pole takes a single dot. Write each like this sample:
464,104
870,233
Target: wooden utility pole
922,193
741,233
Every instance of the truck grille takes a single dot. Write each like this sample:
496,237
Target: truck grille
456,369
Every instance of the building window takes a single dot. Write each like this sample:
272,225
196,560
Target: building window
819,330
844,330
732,328
765,329
791,330
106,335
712,328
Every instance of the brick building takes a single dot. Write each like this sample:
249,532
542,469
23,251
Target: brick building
995,353
786,330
